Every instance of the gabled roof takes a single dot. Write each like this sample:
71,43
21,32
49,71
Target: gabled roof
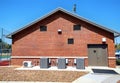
116,34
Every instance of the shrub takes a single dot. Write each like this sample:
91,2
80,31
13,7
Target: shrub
118,62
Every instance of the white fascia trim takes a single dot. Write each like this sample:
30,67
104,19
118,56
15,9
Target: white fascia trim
111,57
29,57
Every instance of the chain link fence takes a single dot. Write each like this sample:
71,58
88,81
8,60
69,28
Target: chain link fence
5,57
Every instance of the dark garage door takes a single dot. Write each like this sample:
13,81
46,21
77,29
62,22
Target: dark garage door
97,55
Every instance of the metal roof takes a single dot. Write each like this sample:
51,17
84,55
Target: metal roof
116,34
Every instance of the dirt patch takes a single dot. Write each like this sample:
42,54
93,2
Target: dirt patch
9,74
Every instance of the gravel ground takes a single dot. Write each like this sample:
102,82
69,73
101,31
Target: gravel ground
9,74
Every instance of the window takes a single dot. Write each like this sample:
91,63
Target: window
70,41
77,27
43,28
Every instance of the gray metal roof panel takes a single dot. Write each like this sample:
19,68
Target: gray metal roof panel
116,34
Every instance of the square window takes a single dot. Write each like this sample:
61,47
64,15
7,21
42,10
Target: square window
70,41
77,27
43,28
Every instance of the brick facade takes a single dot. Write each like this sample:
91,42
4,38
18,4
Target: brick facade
33,42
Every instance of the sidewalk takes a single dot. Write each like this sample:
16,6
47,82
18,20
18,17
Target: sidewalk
99,78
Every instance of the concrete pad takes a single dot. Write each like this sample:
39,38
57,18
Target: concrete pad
113,79
117,69
69,68
98,78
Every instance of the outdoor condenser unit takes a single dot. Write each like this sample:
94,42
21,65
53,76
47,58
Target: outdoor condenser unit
27,63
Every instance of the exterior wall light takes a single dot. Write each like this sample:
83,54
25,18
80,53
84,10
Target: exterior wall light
59,31
104,39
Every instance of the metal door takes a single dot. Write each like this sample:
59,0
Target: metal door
97,55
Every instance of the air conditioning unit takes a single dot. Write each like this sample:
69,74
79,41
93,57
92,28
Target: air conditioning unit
27,63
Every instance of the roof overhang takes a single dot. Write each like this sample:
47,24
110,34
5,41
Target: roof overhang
116,34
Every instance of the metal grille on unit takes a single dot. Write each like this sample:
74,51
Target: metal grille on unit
27,63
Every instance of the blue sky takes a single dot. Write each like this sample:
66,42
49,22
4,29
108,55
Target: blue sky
15,14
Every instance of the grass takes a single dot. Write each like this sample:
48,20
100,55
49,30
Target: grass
9,74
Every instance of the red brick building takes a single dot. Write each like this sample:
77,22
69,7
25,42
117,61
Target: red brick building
64,34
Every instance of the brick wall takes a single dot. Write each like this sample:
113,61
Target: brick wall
33,42
19,62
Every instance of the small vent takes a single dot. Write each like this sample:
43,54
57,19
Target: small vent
43,28
70,41
76,27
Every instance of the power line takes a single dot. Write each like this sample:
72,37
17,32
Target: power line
5,31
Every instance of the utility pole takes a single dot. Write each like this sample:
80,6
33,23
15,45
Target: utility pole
1,41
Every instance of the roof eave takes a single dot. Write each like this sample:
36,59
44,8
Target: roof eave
9,36
117,36
30,24
69,13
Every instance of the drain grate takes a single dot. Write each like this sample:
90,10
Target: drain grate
104,71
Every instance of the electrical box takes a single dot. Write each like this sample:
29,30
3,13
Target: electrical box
80,63
44,62
61,63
